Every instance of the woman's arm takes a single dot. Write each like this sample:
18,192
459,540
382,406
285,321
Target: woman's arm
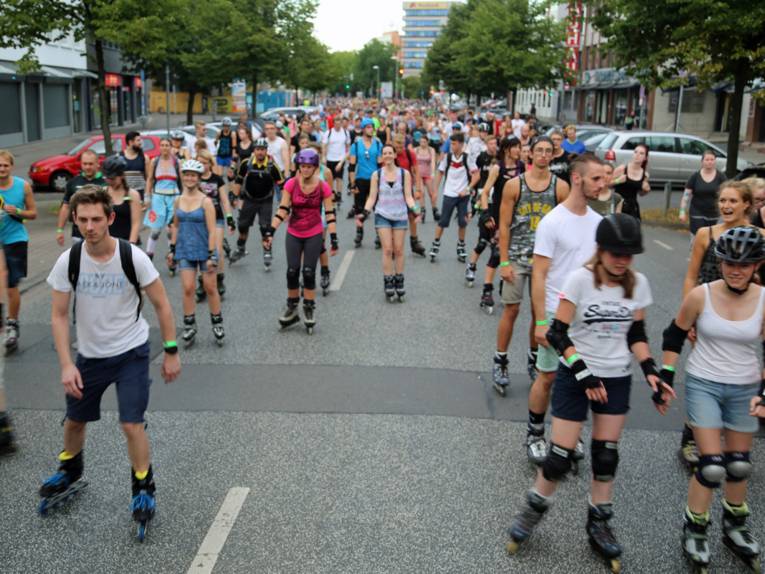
209,208
225,205
135,215
490,180
646,187
620,175
373,190
411,204
700,245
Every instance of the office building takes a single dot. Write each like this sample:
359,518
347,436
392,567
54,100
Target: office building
422,24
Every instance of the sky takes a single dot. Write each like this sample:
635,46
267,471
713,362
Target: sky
348,25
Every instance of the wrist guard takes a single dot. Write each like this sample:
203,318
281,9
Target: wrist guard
365,214
172,248
333,241
269,231
230,221
649,367
211,255
583,375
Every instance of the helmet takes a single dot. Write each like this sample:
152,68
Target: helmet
261,142
307,157
457,126
192,165
483,127
114,165
741,245
177,135
226,121
366,122
620,234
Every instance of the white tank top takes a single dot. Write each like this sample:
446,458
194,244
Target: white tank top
727,351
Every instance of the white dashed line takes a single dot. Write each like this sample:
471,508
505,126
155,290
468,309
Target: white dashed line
337,282
664,245
208,553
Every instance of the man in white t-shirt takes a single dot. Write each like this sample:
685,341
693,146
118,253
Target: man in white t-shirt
517,123
564,241
335,146
279,152
459,176
113,343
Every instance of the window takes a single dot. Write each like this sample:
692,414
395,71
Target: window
422,33
693,101
410,13
10,119
608,141
695,147
414,54
99,147
424,23
665,144
418,43
148,144
56,105
632,143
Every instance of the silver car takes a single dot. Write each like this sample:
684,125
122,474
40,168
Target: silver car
671,157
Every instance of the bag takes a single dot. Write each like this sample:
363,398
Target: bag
126,260
176,165
464,165
265,171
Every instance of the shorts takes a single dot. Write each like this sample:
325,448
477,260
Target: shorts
224,161
547,358
569,401
332,166
16,261
718,405
382,221
220,223
184,264
512,293
162,210
130,372
263,210
447,208
361,195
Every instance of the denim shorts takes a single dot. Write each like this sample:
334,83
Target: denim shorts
190,264
129,371
223,161
448,205
16,262
570,402
382,221
719,405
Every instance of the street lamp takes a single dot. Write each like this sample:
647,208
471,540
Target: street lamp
395,74
376,67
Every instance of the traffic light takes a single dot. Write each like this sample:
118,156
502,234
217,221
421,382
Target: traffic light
347,86
401,72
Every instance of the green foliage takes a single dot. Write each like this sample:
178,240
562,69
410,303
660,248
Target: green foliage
414,87
374,53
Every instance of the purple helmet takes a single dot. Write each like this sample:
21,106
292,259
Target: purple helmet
307,157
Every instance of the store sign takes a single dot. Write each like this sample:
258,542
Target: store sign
239,95
113,80
137,83
603,76
573,41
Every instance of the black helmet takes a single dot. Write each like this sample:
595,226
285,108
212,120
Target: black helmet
620,234
114,166
741,245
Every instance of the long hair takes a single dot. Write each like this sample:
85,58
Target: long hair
627,281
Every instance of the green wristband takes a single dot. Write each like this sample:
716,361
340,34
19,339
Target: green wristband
169,344
541,323
573,359
505,264
18,211
669,368
59,230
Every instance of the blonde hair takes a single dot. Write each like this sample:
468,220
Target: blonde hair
744,190
755,183
627,281
205,154
5,154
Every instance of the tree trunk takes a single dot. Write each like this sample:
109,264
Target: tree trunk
739,83
190,106
103,95
254,109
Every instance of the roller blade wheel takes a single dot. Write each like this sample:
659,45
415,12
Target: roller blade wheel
513,546
54,501
287,324
488,309
266,267
753,563
309,330
433,258
325,291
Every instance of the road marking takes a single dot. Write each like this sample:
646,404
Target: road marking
337,282
208,553
664,245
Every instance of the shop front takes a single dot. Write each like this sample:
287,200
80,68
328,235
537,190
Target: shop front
606,96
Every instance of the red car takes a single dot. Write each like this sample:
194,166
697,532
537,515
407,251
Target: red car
55,171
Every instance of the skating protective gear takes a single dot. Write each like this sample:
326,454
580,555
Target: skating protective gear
333,241
583,375
619,234
710,470
261,143
637,333
493,262
307,157
557,464
267,231
192,165
605,459
364,214
293,278
740,245
177,135
557,336
738,466
649,368
114,166
482,244
673,338
230,222
226,121
366,122
309,277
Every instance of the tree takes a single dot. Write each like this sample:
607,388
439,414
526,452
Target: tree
375,53
413,87
711,40
443,61
342,66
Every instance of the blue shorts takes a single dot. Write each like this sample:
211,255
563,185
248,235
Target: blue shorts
382,221
130,372
161,212
221,223
570,402
718,405
224,161
447,208
191,264
16,262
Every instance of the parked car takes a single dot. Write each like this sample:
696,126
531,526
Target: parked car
753,170
672,157
297,111
52,173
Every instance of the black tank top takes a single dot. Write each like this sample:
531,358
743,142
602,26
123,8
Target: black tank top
629,190
122,220
382,135
505,174
225,147
135,172
244,152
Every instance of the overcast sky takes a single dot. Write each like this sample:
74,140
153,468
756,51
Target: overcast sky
344,25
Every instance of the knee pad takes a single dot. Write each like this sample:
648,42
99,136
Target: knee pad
557,464
711,470
738,466
309,277
482,243
605,459
293,278
493,258
156,234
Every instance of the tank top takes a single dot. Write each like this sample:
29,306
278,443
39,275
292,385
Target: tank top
211,187
225,147
727,352
12,229
709,270
244,152
629,189
391,203
424,163
193,239
305,217
165,177
505,174
120,228
530,208
382,135
135,172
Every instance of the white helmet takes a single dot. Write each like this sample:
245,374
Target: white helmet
192,165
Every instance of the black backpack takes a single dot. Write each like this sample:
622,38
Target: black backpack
126,259
464,165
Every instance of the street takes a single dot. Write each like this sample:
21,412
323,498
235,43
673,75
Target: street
375,445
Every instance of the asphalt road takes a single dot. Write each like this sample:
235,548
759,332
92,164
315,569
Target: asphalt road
375,445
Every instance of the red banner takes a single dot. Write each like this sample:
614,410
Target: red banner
113,80
573,42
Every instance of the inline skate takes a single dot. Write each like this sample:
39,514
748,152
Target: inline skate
189,330
461,253
389,285
417,247
737,536
290,315
696,541
64,484
526,520
470,274
143,503
325,281
434,249
500,378
399,284
309,319
217,328
487,299
601,537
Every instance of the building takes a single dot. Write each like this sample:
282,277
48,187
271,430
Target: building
422,24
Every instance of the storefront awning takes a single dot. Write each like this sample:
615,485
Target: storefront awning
84,74
52,72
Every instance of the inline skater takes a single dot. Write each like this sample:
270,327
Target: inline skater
18,205
193,247
724,391
178,142
214,187
225,143
564,241
89,175
631,180
701,193
126,203
734,203
325,174
365,158
521,203
163,185
560,159
255,186
457,175
406,158
336,143
137,160
391,198
113,342
426,167
301,203
594,373
279,151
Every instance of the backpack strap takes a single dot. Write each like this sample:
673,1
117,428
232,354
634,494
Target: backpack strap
128,268
73,270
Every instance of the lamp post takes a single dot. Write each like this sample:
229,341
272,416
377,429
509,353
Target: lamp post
377,92
395,77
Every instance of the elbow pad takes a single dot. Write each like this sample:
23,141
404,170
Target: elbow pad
636,334
674,338
351,167
558,337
